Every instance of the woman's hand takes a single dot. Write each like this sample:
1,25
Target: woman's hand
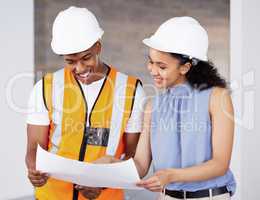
157,182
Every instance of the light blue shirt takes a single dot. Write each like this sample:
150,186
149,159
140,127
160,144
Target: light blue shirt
181,135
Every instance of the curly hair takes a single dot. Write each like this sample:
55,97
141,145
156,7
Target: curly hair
202,75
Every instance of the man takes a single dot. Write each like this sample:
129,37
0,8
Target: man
84,111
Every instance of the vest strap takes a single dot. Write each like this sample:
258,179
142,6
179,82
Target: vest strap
47,89
47,83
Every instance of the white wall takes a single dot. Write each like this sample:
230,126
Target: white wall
16,55
250,140
235,74
245,29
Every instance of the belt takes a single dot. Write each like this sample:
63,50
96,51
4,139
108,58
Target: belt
180,194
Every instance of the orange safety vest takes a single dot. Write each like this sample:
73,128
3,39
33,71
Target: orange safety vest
66,135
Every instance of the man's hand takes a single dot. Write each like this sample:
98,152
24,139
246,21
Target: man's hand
104,160
89,192
37,178
107,160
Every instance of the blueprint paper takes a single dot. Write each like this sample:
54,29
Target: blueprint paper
122,175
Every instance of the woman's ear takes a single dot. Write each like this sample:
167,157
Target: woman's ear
98,47
185,68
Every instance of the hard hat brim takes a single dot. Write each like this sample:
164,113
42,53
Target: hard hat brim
63,48
152,43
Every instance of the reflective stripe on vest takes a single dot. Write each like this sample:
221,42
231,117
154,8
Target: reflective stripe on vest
57,99
117,113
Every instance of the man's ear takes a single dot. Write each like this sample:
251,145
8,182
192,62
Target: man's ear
185,68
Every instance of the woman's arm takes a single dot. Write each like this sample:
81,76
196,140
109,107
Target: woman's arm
222,116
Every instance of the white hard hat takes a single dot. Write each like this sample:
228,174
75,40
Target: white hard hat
75,30
181,35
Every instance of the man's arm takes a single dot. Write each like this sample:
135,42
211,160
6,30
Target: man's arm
135,122
131,141
143,156
35,135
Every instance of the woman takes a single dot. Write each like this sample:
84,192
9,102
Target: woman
188,128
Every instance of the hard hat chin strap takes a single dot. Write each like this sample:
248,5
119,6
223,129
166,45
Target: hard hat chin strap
193,61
